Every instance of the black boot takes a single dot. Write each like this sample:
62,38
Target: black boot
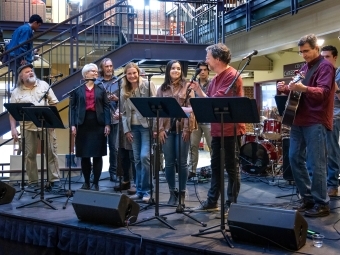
173,200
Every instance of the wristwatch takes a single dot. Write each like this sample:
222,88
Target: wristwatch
337,91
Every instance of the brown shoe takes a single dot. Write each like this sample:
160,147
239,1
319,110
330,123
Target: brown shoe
124,186
332,192
304,206
132,190
318,211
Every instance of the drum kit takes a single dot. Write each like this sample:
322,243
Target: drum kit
261,151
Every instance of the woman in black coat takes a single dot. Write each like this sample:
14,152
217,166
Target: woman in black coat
90,121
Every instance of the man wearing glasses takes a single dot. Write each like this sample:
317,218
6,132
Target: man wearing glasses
313,119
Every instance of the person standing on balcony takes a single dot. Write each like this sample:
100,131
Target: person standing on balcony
202,128
308,134
136,127
30,90
173,133
21,35
218,58
107,77
330,53
90,123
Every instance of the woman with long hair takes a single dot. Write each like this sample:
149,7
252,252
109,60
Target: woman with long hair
174,135
136,127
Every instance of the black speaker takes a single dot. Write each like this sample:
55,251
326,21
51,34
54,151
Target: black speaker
104,207
286,169
7,193
264,225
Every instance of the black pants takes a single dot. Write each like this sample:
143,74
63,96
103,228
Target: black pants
97,169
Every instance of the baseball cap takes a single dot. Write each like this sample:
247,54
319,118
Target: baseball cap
23,67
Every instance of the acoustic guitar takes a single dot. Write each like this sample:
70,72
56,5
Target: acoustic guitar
292,103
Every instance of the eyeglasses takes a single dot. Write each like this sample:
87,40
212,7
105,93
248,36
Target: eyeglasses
93,71
304,52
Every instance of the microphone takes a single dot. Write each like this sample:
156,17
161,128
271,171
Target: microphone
90,79
197,72
53,76
250,54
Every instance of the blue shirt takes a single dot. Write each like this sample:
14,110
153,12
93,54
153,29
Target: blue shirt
20,35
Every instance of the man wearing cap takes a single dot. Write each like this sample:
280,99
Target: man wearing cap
29,90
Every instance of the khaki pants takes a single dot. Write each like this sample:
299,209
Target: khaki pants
195,139
32,138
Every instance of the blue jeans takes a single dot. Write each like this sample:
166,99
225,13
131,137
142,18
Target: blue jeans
308,150
234,181
141,154
333,155
175,148
112,141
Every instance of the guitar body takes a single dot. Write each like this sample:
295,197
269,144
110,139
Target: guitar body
292,103
291,108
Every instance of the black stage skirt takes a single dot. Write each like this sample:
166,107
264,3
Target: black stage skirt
90,138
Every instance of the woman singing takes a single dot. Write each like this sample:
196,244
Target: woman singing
136,127
90,122
174,134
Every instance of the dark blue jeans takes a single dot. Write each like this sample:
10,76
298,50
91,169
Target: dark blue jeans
112,142
234,181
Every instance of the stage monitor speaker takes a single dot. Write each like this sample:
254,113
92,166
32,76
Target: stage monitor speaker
7,193
104,207
264,225
286,169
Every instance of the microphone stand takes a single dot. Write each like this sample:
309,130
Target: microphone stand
69,193
232,86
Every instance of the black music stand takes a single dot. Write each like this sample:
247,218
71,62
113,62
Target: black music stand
224,110
43,117
159,107
15,109
280,101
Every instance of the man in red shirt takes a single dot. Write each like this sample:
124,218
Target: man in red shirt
218,59
313,118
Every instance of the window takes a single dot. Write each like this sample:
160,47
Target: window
139,4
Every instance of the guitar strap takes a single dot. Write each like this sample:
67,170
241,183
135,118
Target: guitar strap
310,72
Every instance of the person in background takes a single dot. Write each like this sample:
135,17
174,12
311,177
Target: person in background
218,58
90,124
330,53
202,128
174,135
308,134
29,89
21,35
107,78
136,127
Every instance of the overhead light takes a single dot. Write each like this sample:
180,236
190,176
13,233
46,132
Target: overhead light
320,42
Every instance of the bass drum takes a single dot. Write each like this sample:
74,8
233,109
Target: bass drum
255,156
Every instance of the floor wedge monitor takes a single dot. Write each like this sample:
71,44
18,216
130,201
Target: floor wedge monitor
104,207
265,225
7,193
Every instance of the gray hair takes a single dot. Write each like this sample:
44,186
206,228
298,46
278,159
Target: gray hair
220,51
87,68
311,39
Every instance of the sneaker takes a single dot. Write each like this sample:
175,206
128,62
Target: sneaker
124,186
318,211
146,198
85,186
96,187
332,192
205,206
135,197
191,174
33,185
226,212
132,190
305,205
56,185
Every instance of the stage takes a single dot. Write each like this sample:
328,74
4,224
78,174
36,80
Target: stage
38,229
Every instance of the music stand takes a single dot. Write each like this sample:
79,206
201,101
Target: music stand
280,101
224,110
159,107
16,111
43,117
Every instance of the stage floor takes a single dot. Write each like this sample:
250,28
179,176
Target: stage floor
254,191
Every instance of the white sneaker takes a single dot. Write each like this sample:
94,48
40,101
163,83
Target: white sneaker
135,197
146,198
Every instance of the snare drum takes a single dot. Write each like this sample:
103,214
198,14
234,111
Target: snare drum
271,129
255,156
250,137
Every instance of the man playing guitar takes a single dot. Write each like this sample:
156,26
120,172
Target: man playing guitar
313,118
